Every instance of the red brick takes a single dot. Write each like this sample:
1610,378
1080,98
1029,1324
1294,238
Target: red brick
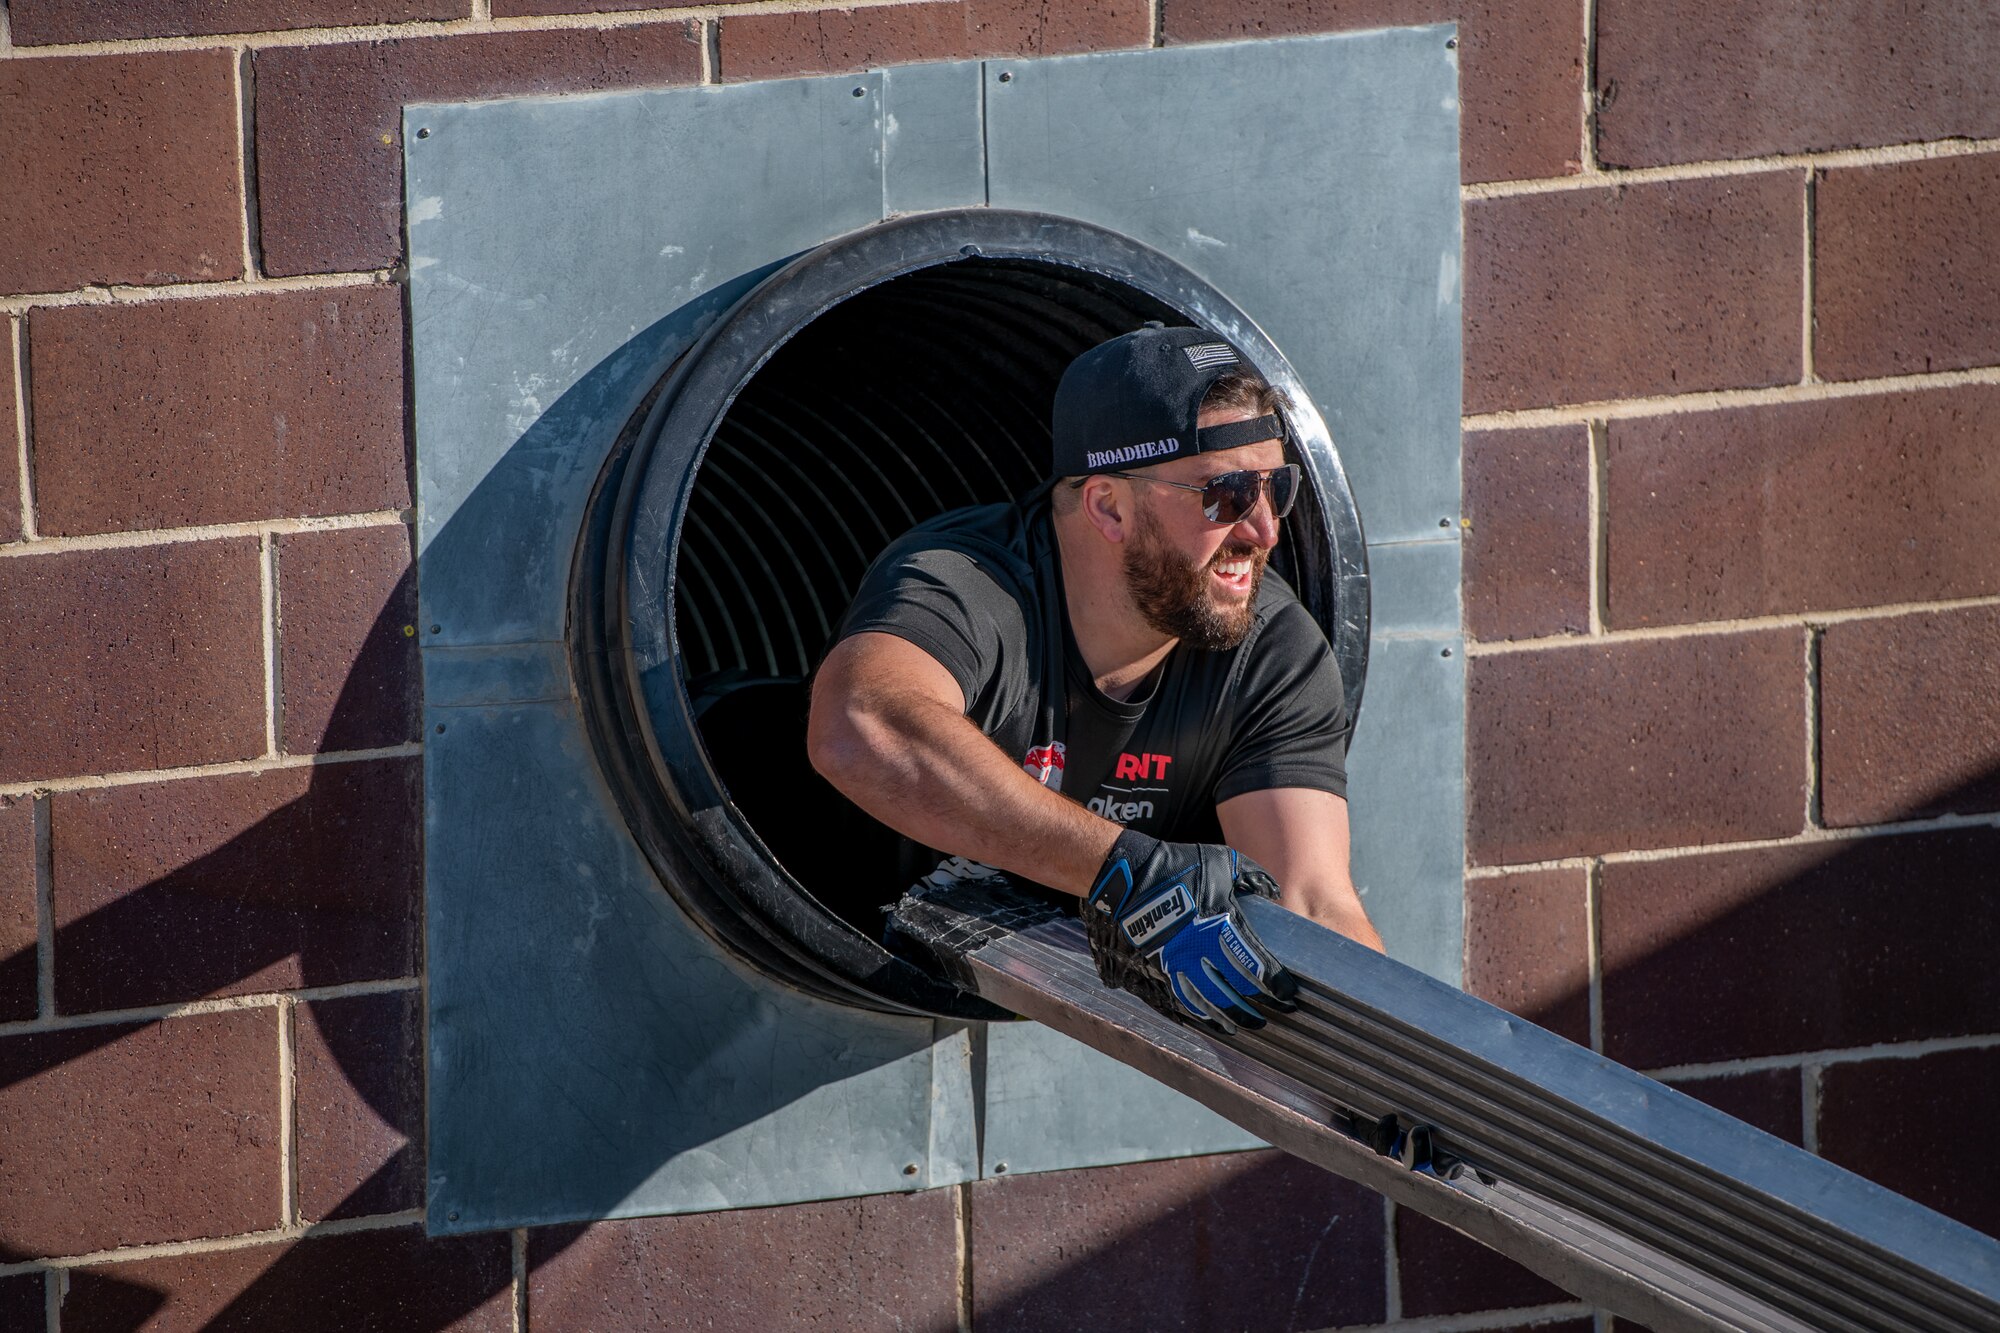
17,909
1629,291
119,168
1647,743
1527,553
21,1301
143,657
347,606
10,443
46,22
1906,267
330,123
1442,1272
1520,66
1527,946
1690,80
770,46
235,885
1769,1099
1905,1124
360,1105
1910,716
1796,507
515,8
884,1262
1259,1240
130,1134
174,413
389,1281
1794,949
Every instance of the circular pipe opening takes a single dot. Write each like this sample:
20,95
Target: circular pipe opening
869,384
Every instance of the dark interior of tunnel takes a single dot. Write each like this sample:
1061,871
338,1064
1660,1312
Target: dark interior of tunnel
920,395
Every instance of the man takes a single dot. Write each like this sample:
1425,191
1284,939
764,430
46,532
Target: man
1054,688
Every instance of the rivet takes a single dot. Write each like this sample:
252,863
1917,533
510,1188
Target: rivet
1445,653
999,1168
1451,43
451,1217
1006,76
437,629
861,92
424,132
910,1170
1444,522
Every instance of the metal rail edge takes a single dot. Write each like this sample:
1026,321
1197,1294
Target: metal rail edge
1617,1188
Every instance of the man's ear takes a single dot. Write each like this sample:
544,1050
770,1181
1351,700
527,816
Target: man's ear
1107,507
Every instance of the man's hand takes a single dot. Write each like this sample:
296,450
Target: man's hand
1162,923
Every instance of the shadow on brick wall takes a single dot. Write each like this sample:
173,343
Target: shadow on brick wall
1709,958
1866,957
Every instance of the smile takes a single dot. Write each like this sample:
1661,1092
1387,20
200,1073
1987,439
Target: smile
1236,572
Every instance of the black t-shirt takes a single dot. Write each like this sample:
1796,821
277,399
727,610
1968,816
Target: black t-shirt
980,590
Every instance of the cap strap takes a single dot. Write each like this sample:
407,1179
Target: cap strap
1234,434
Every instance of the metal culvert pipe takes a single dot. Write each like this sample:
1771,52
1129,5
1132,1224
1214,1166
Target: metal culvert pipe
870,384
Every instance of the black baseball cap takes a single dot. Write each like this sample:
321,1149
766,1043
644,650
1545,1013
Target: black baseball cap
1132,402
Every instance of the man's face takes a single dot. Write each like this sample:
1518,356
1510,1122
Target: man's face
1192,579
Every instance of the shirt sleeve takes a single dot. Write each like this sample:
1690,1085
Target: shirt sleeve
1292,725
947,602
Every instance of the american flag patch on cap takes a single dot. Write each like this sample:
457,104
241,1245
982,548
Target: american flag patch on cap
1205,355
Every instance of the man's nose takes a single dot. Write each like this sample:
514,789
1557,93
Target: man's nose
1259,526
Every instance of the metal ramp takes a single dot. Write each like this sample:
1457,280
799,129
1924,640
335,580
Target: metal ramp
1617,1188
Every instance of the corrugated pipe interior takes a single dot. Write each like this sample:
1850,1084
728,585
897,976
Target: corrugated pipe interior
871,383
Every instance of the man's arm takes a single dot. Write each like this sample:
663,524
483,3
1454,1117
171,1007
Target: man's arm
888,728
1299,834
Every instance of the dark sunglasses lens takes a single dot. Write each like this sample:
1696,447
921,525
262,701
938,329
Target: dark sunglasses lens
1284,489
1227,498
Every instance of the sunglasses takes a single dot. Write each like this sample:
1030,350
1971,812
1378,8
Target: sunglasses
1232,496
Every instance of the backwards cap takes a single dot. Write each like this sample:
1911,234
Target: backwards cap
1133,401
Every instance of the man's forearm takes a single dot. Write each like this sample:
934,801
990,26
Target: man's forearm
1336,908
929,773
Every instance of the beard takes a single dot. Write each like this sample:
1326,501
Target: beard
1177,599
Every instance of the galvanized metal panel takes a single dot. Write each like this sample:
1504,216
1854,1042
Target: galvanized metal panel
933,138
1316,181
559,261
562,252
1053,1103
1406,800
471,674
1413,589
592,1055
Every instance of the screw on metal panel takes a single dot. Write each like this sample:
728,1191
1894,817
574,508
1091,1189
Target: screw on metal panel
424,132
861,92
1444,522
999,1168
441,725
1451,43
1445,653
437,629
910,1170
1006,76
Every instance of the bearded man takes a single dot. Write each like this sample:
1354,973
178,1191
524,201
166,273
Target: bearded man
1102,690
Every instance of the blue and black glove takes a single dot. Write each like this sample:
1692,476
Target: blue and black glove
1162,923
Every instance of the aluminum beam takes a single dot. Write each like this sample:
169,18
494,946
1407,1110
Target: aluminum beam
1615,1187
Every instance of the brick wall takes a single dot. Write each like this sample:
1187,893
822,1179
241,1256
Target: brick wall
1733,387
